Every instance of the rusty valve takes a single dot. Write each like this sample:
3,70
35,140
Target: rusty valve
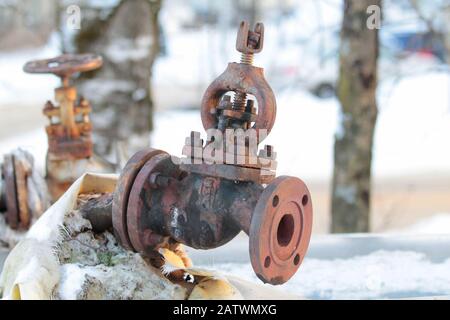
69,129
199,201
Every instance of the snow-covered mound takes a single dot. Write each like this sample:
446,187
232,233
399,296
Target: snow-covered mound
95,266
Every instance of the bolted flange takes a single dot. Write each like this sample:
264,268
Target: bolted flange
280,229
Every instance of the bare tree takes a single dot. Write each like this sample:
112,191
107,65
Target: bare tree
353,142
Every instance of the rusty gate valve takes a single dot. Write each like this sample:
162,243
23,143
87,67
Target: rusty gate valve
203,202
69,131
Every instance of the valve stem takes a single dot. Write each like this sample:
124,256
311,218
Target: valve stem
240,98
247,43
247,58
240,101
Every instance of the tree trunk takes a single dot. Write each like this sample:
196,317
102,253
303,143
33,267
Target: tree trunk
353,142
127,36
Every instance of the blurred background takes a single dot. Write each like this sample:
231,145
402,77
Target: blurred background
160,56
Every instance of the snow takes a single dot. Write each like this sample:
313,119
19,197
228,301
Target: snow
121,49
95,266
378,275
73,277
438,223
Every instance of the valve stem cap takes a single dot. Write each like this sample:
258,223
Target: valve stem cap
249,42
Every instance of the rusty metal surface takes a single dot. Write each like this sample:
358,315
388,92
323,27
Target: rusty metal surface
241,78
140,201
124,185
23,193
204,202
230,172
202,215
200,211
248,41
280,229
60,149
69,129
65,65
217,110
244,164
22,170
98,210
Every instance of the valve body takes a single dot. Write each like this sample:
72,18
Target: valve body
223,186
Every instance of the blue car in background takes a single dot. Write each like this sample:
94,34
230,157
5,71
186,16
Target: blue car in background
427,43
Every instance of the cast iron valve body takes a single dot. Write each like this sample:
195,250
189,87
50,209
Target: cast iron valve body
161,200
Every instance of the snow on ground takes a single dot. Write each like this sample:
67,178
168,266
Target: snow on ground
379,275
438,223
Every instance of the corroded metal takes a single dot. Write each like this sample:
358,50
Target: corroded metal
122,193
65,65
205,199
280,229
98,210
239,78
69,129
23,195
